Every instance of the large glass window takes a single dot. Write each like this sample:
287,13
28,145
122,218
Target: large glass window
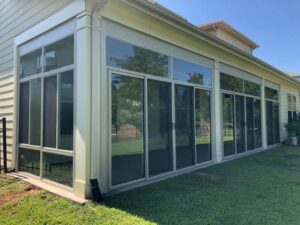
24,113
202,125
191,73
159,127
130,57
46,109
59,54
31,63
127,126
184,126
66,108
58,168
231,83
271,93
252,88
35,111
29,161
50,104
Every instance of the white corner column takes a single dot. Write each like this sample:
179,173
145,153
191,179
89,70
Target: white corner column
217,146
83,48
263,115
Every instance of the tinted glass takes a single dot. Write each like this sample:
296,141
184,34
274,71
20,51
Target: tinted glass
29,161
202,125
59,54
159,127
191,73
127,56
271,93
250,123
251,88
184,126
276,130
228,125
231,83
66,101
258,140
35,111
270,124
127,132
31,63
24,113
58,168
240,123
50,103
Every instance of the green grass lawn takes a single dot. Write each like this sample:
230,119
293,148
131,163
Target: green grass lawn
259,189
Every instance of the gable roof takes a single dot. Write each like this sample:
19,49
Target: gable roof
235,33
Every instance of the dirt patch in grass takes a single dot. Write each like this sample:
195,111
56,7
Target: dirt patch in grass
209,176
16,196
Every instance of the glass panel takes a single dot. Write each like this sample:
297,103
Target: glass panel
191,73
184,126
269,115
50,103
231,83
251,88
289,101
202,124
271,93
276,123
294,105
127,56
66,100
228,125
29,161
257,128
59,54
250,123
290,116
58,168
159,127
35,111
240,123
24,113
31,63
127,129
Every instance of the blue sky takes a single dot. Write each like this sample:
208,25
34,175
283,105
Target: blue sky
273,24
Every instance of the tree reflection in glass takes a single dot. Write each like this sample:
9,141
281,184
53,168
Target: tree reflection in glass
127,129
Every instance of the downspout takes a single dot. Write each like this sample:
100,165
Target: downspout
96,69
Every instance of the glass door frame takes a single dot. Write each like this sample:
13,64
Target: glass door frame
145,77
234,94
279,119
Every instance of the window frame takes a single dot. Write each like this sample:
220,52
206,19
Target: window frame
31,46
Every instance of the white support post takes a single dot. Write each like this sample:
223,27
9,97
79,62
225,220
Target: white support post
263,115
82,117
217,146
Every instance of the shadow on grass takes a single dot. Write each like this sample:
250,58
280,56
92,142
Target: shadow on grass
258,189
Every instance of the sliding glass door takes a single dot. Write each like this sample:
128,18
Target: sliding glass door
272,118
184,115
228,124
159,127
240,123
127,128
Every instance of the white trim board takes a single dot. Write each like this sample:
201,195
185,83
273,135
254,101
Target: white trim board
70,11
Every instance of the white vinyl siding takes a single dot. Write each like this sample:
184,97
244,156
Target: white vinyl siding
6,110
17,16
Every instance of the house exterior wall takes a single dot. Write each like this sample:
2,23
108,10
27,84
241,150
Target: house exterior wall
92,134
16,17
